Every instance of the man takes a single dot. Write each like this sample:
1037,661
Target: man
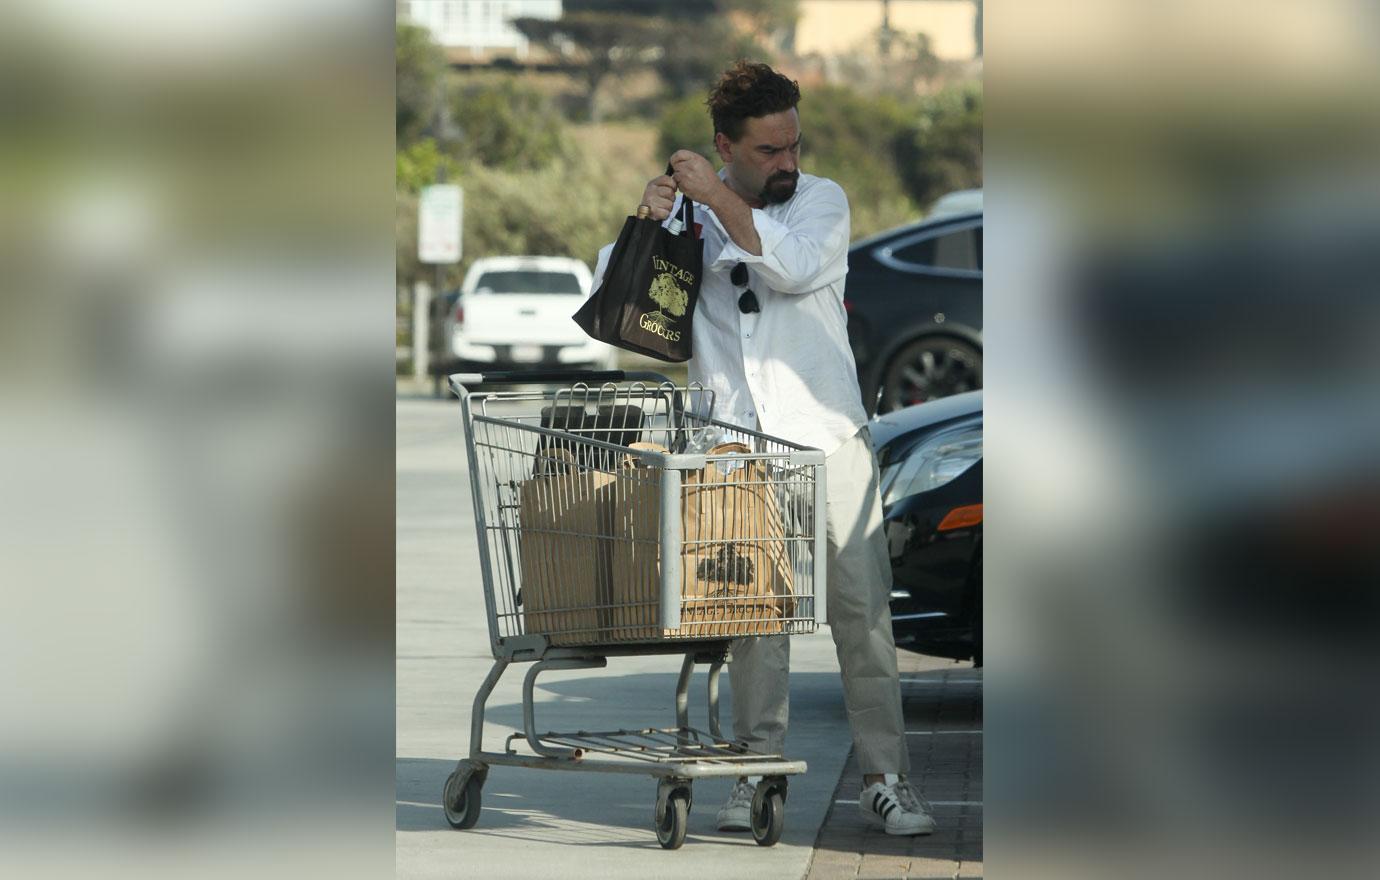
771,341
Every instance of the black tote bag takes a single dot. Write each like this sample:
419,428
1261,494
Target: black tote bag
646,303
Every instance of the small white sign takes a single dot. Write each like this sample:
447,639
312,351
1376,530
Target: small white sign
527,354
439,218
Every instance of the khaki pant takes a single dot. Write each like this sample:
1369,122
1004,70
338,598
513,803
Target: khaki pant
859,581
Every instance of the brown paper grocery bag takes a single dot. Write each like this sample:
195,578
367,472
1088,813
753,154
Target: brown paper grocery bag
735,573
564,522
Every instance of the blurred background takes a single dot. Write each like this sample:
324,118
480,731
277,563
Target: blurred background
196,634
1183,582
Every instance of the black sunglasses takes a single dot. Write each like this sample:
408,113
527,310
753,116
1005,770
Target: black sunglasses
747,303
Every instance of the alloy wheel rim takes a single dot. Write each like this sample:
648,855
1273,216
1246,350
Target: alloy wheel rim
938,371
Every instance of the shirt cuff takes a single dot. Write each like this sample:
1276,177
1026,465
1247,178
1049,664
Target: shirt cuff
770,232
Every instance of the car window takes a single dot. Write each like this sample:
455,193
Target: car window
959,249
529,281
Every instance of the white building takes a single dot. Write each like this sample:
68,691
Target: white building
477,29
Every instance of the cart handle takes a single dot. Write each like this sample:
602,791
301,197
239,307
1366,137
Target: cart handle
526,377
463,383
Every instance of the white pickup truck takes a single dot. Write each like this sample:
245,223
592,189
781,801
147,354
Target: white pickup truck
516,311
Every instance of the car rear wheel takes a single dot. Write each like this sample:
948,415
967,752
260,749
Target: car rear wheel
930,368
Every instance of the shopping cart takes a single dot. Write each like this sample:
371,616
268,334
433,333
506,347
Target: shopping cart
617,517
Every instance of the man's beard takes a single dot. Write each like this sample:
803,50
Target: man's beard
780,187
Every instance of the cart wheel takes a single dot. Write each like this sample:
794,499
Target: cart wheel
460,800
670,830
768,815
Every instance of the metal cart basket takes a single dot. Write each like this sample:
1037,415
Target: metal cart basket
615,517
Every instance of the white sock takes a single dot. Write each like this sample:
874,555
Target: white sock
887,779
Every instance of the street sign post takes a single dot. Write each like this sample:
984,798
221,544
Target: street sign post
440,214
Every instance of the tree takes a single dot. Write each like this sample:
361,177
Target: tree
696,52
420,67
687,41
595,46
699,47
767,17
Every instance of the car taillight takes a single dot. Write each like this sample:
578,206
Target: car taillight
848,305
459,314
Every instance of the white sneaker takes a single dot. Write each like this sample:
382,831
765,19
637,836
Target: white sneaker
736,815
896,807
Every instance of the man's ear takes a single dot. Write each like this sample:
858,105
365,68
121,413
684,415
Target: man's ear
724,146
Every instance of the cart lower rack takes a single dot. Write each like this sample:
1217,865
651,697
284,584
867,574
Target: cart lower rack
617,517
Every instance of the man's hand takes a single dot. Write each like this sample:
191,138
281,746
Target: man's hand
660,196
695,177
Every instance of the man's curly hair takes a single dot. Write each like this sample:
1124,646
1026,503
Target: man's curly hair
748,90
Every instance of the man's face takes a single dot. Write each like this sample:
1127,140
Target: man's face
765,161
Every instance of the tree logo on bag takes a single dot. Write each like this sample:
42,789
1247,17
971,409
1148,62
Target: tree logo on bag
672,298
728,565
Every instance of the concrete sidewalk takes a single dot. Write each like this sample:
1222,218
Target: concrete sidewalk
551,824
943,708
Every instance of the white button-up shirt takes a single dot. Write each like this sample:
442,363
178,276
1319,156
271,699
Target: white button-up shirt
788,370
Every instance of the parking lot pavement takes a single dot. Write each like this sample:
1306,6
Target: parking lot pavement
587,825
943,711
543,824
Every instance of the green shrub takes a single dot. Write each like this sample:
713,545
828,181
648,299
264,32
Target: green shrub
685,125
561,210
852,139
509,124
418,164
943,151
565,209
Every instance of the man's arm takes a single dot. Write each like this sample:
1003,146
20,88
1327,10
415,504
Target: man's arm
797,258
736,218
696,178
807,254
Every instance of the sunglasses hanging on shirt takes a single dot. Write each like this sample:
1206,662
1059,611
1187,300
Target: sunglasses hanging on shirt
747,303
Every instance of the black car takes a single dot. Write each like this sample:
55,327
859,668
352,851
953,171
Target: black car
914,301
931,462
